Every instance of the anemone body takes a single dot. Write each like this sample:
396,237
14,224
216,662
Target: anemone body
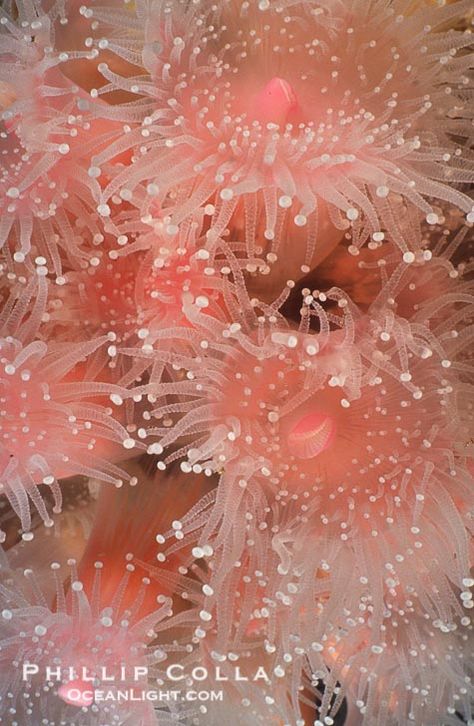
128,526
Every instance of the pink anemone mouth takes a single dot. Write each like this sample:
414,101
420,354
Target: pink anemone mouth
76,693
276,102
313,434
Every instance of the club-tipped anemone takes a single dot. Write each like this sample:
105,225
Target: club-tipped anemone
89,643
176,270
47,136
243,379
237,391
56,418
264,390
135,289
256,690
294,110
356,421
391,474
236,337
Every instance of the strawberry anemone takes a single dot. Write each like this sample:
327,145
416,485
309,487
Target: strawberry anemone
91,645
56,417
354,423
48,133
288,114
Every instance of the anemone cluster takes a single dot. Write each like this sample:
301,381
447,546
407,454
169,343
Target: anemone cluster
236,341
